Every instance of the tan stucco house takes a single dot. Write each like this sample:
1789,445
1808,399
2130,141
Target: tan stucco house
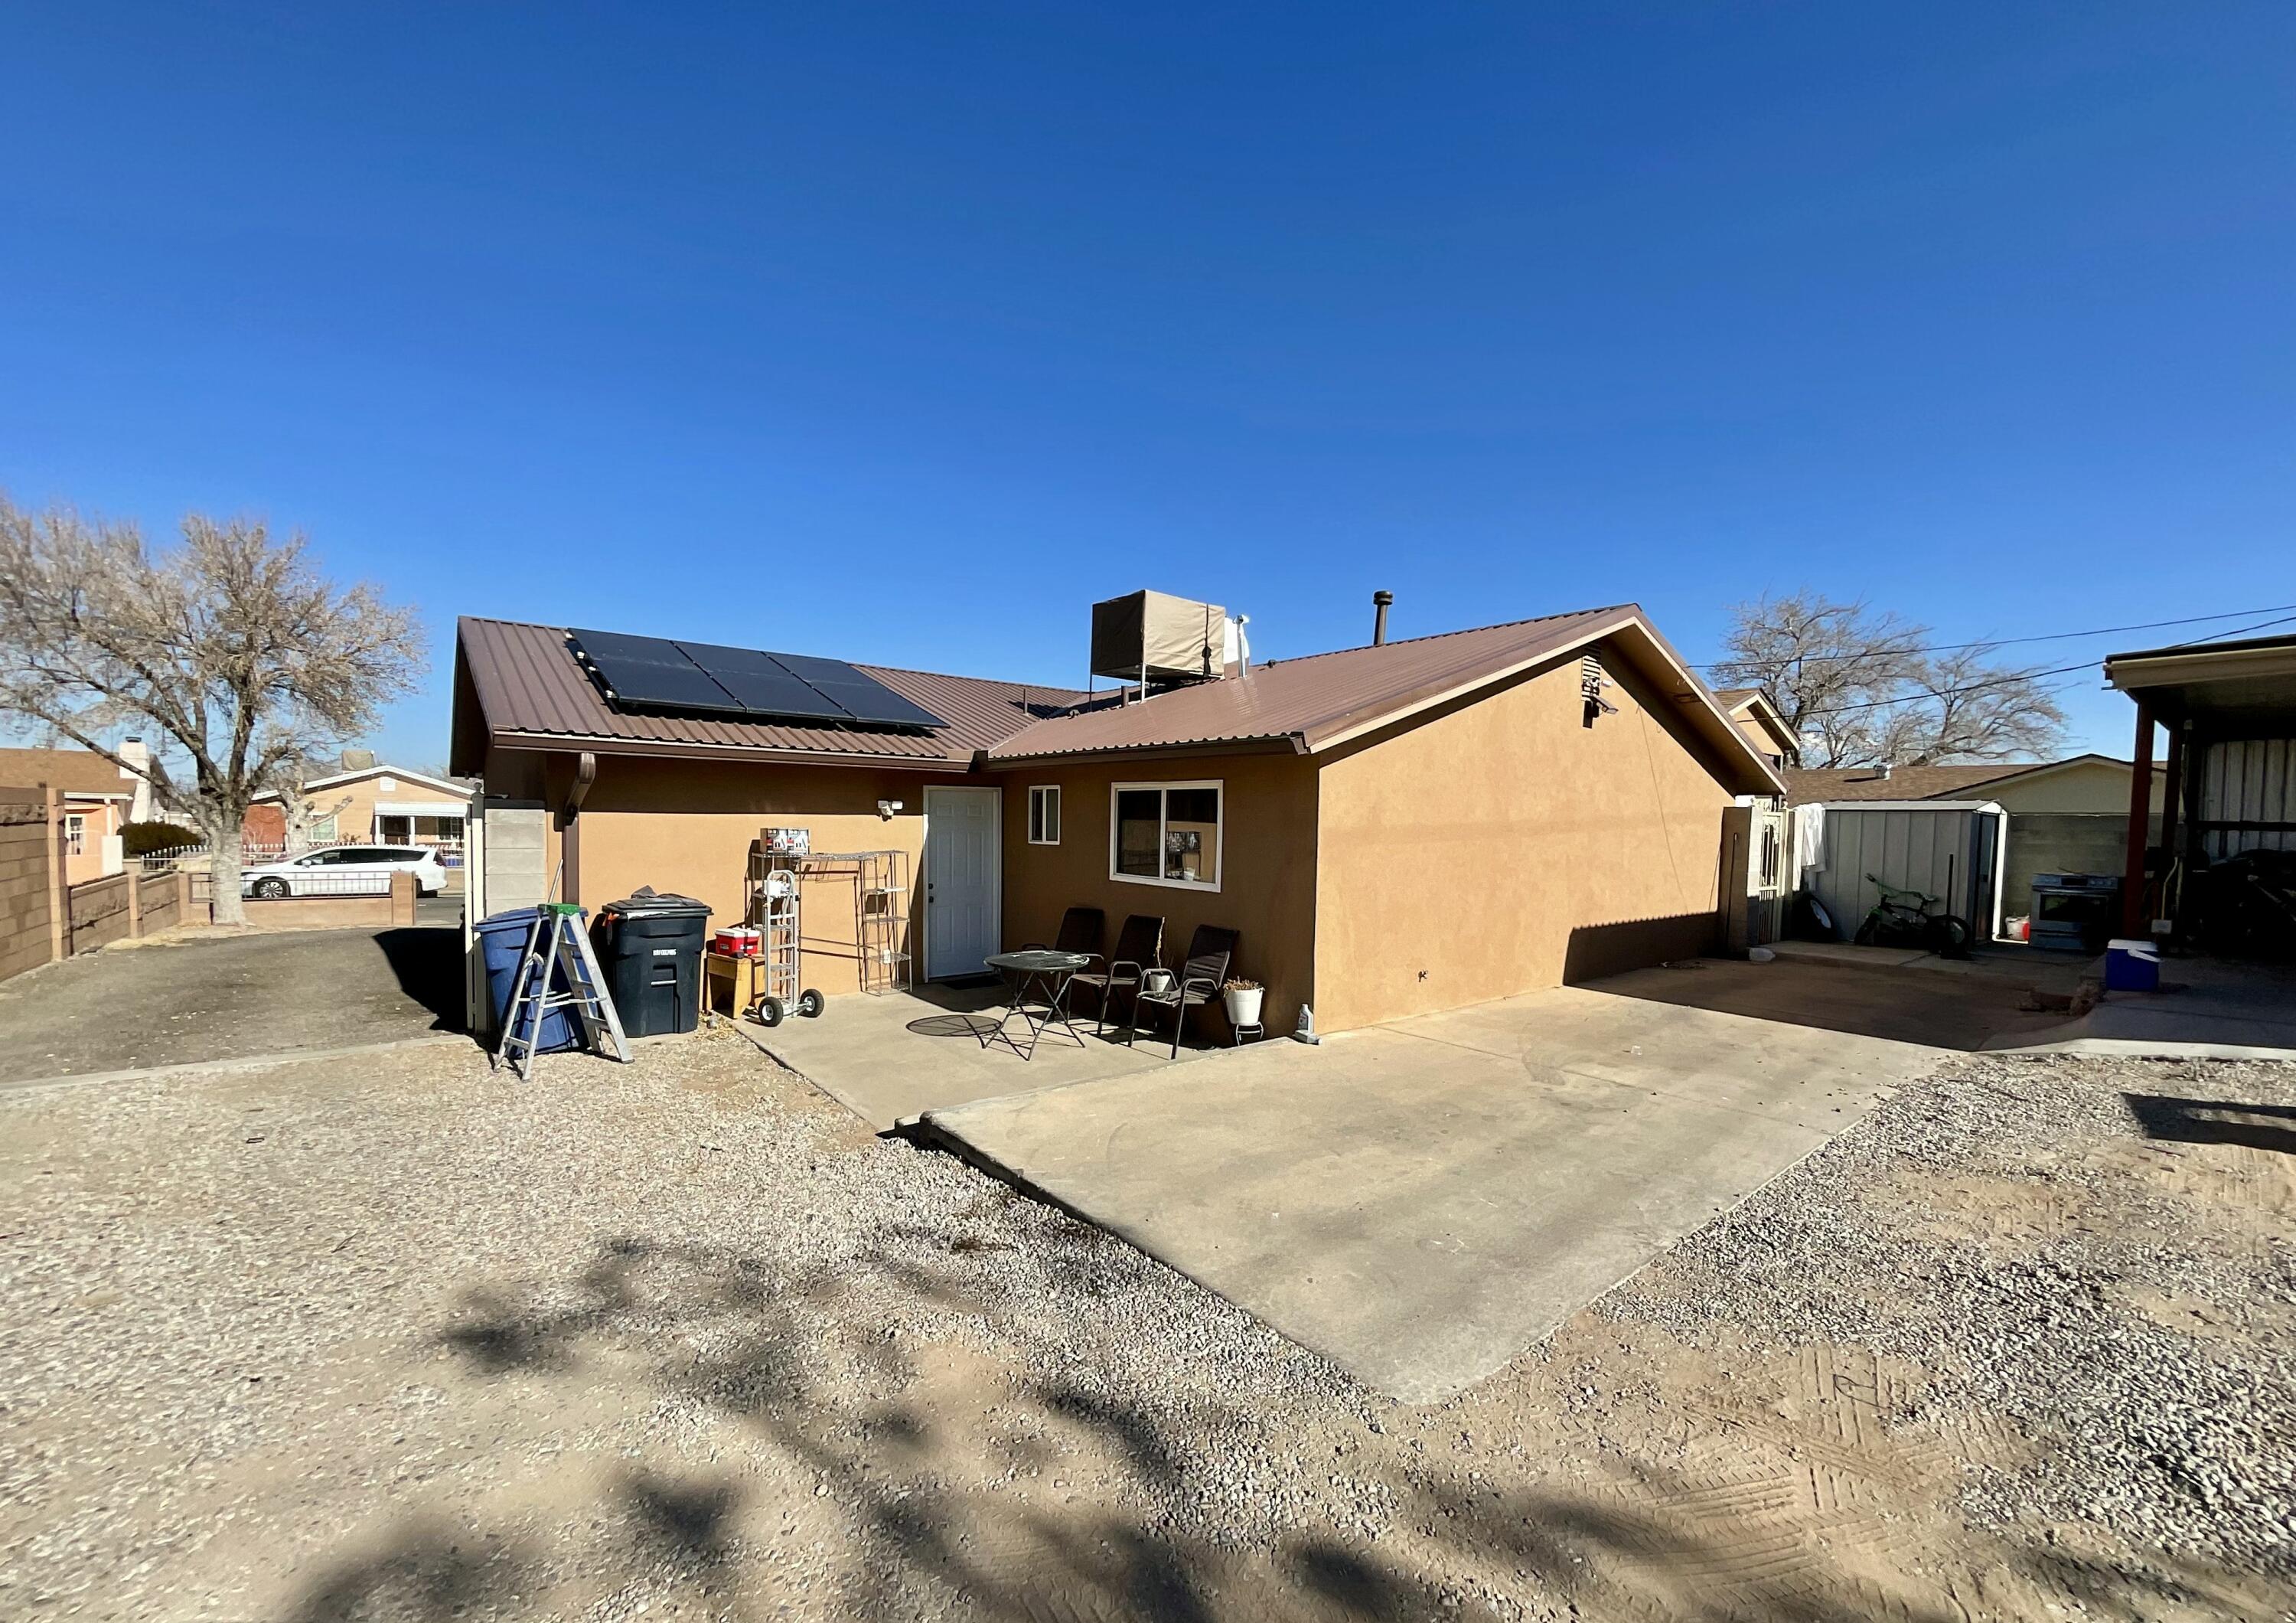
1402,826
368,802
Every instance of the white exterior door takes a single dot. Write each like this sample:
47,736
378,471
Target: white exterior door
964,880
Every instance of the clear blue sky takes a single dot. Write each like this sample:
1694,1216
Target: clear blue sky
901,334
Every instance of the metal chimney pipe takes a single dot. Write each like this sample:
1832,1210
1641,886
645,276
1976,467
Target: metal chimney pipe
1378,602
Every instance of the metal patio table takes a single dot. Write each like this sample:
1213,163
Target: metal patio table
1047,971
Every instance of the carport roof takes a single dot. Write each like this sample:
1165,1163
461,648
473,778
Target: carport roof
532,694
2247,686
1320,701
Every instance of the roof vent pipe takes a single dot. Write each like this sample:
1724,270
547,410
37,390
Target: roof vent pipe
1378,602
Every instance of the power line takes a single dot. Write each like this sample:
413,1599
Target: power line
2027,676
2002,642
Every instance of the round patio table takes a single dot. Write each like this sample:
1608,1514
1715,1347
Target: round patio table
1048,973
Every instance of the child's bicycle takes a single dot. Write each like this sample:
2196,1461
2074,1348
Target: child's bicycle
1902,918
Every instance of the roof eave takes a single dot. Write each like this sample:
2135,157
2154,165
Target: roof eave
675,750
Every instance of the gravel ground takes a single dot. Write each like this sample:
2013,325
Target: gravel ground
2129,1298
400,1340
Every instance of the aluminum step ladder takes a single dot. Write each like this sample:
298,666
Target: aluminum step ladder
532,1000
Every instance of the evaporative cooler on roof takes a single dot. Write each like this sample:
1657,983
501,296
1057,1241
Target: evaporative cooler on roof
655,673
1159,638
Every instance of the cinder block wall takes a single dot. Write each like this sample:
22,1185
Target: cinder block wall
24,940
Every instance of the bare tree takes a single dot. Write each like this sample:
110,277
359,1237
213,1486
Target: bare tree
244,657
1859,688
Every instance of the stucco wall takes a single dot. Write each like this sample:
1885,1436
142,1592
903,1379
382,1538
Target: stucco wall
688,827
103,820
1267,888
1505,847
2098,788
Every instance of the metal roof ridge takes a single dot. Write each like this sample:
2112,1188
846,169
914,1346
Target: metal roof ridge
1464,630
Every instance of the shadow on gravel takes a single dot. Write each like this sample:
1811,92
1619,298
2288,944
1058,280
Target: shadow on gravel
2215,1121
953,1503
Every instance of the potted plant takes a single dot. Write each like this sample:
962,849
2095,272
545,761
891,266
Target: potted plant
1242,998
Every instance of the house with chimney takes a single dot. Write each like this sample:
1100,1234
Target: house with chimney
100,797
1391,829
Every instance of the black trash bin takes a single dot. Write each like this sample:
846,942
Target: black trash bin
650,949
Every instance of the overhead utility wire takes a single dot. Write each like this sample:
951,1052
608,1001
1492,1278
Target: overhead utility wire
2002,642
2015,676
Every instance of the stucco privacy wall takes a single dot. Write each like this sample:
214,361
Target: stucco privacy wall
1268,881
688,827
1505,847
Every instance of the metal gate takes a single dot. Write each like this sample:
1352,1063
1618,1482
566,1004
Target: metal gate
1754,865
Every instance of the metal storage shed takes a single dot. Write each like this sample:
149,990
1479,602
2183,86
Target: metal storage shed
1945,848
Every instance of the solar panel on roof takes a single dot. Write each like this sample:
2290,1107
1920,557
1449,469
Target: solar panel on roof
651,671
654,671
867,698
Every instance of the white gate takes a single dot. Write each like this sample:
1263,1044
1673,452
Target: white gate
1754,865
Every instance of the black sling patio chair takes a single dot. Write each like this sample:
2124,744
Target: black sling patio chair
1139,945
1198,982
1080,932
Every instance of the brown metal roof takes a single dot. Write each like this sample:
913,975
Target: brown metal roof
529,687
1324,699
1903,782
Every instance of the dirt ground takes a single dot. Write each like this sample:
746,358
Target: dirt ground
197,994
403,1341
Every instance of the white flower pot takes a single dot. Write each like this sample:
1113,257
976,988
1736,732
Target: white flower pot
1243,1007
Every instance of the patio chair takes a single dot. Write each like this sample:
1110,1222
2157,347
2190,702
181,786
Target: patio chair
1080,931
1199,980
1139,948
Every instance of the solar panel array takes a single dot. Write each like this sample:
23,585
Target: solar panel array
657,673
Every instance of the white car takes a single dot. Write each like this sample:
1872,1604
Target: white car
345,871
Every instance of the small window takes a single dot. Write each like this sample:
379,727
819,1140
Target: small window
76,836
1045,814
1166,833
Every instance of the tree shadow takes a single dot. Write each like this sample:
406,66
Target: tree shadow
810,1376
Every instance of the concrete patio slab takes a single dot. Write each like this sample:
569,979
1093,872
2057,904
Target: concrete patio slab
1421,1201
890,1060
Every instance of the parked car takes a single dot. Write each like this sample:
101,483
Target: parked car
345,871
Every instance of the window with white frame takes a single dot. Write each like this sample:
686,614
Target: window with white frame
1045,814
1167,833
76,835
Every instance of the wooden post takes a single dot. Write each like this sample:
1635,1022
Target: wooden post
135,903
2134,915
59,892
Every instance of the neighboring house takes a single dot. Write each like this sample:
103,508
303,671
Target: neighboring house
1763,726
100,798
1402,826
2068,816
369,803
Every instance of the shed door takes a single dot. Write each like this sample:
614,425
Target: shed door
963,880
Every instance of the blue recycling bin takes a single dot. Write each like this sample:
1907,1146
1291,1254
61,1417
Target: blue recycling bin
502,939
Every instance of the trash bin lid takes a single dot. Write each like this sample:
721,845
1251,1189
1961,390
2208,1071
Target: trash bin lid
646,904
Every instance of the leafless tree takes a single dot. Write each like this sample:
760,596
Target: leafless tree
1860,688
233,647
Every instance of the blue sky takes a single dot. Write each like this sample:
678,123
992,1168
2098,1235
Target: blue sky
901,334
